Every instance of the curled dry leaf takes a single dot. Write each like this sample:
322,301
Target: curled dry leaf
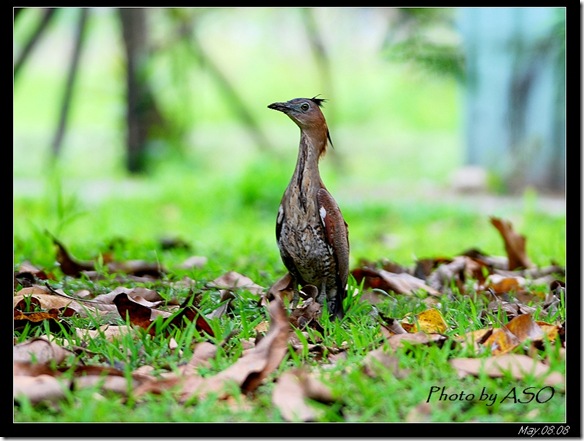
108,332
143,316
74,268
390,326
518,365
250,370
194,262
234,280
306,315
517,331
429,321
511,309
401,283
203,352
46,300
138,315
444,275
419,338
500,284
282,289
291,392
379,361
225,303
514,244
28,274
40,350
39,388
110,383
144,296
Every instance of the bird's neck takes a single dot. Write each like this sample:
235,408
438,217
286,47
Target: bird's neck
306,174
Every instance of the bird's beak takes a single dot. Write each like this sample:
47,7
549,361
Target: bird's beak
282,107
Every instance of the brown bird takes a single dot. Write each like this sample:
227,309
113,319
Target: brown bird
311,232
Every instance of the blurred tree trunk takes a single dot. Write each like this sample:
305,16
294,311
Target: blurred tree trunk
71,77
142,114
48,14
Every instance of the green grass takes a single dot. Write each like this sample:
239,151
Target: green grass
231,221
392,143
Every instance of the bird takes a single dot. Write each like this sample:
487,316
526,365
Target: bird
311,232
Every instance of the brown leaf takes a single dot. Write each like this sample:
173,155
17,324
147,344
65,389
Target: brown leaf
251,369
137,268
524,328
225,303
233,280
390,326
401,283
40,350
69,266
138,315
138,294
419,338
43,298
192,315
429,321
504,284
27,275
290,398
306,315
109,332
425,267
444,275
204,351
378,361
39,388
501,341
474,339
514,244
189,313
282,289
511,309
517,365
194,262
74,268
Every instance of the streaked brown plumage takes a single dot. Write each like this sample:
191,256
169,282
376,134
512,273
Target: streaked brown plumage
311,232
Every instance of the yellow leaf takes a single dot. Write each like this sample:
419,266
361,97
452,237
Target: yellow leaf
430,321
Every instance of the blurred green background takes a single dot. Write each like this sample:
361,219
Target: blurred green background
396,80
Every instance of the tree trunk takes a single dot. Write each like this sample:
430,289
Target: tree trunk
48,14
71,77
141,110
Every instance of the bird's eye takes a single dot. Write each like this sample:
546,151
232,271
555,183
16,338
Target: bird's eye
304,106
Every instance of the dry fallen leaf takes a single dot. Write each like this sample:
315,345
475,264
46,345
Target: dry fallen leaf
234,280
251,369
419,338
289,397
517,365
514,244
39,388
514,333
429,321
40,350
401,283
379,361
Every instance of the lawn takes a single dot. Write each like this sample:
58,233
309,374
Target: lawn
438,327
230,222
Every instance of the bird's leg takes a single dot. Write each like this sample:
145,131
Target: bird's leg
295,296
321,296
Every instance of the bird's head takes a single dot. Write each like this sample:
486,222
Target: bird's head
307,114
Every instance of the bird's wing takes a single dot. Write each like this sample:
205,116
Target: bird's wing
336,231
